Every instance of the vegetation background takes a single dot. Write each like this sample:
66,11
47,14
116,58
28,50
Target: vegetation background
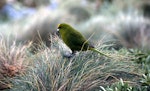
33,58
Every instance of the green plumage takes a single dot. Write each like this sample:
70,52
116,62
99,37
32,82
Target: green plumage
74,39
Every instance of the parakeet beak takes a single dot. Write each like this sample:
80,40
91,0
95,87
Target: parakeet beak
57,32
57,29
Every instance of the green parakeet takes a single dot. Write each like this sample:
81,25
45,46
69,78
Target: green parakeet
74,39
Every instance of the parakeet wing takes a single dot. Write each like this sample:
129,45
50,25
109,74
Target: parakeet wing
77,41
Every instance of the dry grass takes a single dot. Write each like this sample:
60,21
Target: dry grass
49,70
12,62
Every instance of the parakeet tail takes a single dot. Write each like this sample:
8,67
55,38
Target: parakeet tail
95,50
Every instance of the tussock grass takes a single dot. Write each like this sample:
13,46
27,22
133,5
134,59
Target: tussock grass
48,70
12,62
12,58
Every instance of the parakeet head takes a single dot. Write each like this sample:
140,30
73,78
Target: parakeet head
63,28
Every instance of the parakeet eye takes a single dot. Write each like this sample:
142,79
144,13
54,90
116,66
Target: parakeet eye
59,27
